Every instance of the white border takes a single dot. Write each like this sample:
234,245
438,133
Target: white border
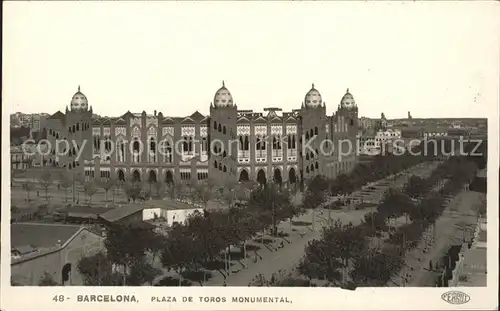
40,298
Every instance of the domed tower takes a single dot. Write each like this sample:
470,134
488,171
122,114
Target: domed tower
79,102
78,130
347,121
311,128
223,154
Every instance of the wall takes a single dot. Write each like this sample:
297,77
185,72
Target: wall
149,213
30,272
180,215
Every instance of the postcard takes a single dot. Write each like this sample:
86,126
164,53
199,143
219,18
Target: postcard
250,155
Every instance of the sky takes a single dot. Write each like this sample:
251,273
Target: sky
435,59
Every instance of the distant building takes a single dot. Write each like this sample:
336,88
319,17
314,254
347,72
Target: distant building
19,159
39,248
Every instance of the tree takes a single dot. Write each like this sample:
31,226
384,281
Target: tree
395,204
160,189
415,187
107,185
328,257
204,193
97,270
90,188
47,280
28,187
346,187
273,204
127,245
375,268
133,190
142,272
65,183
46,181
180,250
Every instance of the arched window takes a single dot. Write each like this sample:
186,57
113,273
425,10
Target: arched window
312,167
311,133
224,154
78,126
219,128
316,165
224,130
220,167
257,138
224,169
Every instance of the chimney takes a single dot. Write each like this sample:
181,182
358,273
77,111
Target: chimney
155,113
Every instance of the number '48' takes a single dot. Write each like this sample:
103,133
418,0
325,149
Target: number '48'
58,298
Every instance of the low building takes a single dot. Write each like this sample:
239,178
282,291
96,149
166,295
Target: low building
79,214
54,249
169,211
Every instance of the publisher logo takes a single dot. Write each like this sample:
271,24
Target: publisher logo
455,297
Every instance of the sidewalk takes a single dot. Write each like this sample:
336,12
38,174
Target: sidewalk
449,231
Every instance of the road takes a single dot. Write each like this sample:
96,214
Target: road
288,257
458,219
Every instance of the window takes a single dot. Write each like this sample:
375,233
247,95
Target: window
215,125
219,128
316,165
215,164
224,130
316,130
225,169
78,126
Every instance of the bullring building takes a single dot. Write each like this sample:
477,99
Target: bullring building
229,145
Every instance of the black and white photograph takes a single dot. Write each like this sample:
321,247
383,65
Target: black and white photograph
326,151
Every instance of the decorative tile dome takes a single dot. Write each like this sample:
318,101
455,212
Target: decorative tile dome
79,102
347,101
223,97
313,98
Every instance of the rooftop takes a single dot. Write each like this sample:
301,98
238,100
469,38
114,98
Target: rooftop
122,212
40,235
